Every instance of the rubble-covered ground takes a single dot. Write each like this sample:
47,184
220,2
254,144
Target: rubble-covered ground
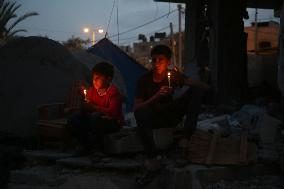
54,177
254,182
264,125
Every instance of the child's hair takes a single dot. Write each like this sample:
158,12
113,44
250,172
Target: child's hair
162,49
103,68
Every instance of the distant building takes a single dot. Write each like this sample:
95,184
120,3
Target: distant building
142,50
262,59
267,36
126,49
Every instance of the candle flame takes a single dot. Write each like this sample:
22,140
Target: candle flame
169,78
85,91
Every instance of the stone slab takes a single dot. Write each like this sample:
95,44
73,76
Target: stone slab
46,154
107,163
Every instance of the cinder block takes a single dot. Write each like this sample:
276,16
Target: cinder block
128,141
125,141
163,138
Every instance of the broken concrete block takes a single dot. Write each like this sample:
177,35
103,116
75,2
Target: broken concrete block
45,154
112,163
128,141
125,141
248,116
219,124
39,175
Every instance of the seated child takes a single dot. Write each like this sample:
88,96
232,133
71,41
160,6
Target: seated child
156,107
101,111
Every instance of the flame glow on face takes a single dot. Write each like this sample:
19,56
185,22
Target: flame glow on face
100,81
160,63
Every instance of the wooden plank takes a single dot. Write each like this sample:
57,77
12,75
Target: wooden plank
227,149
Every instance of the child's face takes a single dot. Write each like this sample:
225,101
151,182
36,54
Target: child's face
160,63
100,81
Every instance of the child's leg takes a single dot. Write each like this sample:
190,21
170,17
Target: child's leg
79,128
102,126
146,120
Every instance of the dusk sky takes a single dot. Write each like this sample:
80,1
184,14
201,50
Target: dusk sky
61,19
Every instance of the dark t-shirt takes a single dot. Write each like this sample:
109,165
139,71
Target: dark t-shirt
167,111
146,88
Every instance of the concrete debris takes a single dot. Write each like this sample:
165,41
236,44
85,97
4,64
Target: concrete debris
53,178
125,141
247,117
46,154
163,138
37,176
128,141
219,124
47,70
260,182
130,119
257,121
268,153
104,163
213,149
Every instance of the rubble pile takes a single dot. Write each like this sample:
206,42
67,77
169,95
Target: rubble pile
259,182
247,136
236,150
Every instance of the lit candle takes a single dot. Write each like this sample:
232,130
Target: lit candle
85,94
169,78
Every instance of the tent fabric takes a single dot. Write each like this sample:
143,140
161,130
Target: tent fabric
34,71
128,67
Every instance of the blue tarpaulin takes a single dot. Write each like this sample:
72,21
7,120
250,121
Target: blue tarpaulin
128,67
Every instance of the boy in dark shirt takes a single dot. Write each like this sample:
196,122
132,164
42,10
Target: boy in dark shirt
155,107
101,110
